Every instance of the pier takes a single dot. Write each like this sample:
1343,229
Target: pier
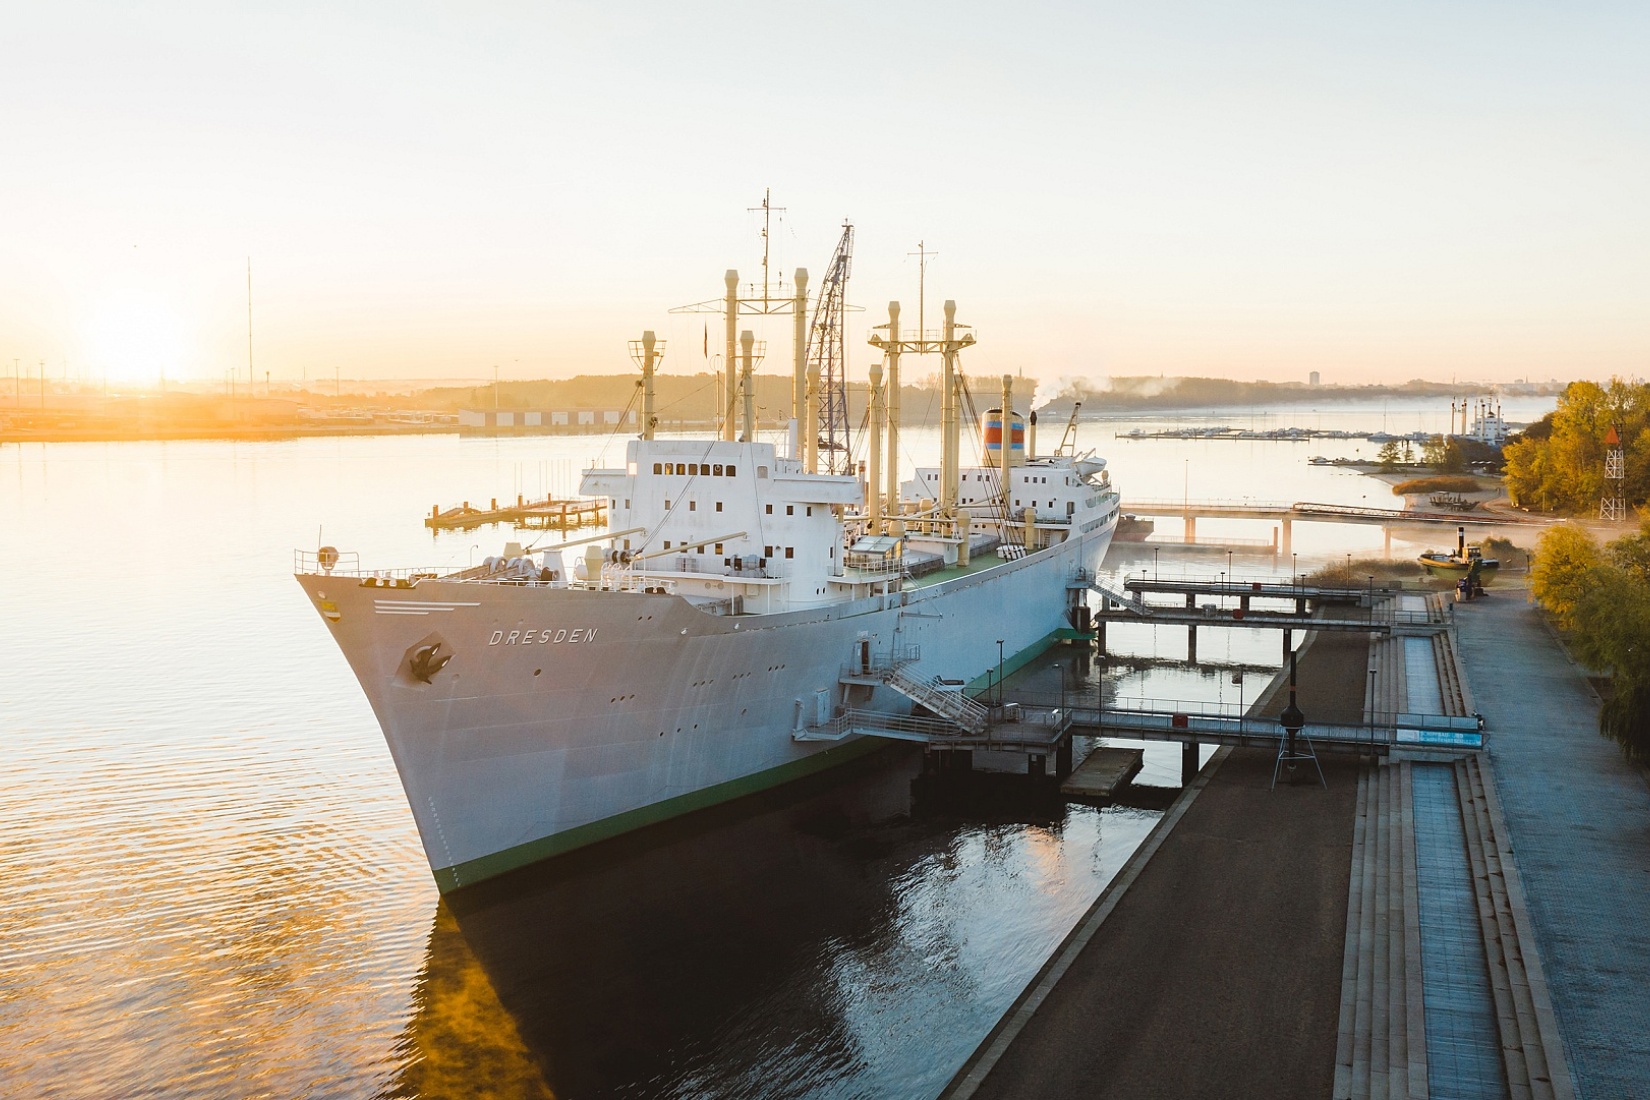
549,514
1288,513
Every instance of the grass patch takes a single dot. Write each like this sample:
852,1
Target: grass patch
1442,483
1355,573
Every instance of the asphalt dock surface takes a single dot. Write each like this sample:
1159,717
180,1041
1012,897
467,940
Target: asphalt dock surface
1218,969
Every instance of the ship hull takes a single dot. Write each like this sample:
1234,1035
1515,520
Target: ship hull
568,716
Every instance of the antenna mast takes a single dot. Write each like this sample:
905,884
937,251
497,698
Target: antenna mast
249,386
923,256
767,213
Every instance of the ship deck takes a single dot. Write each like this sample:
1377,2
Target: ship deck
950,573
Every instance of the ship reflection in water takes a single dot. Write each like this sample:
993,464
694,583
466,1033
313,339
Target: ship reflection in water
827,943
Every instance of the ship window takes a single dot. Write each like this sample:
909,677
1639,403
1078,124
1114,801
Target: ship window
790,509
681,467
733,471
761,471
770,509
701,548
716,470
833,553
656,467
718,548
1071,507
810,509
667,544
693,505
790,551
627,544
627,502
767,551
667,504
718,506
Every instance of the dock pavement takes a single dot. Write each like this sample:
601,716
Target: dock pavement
1418,929
1578,815
1212,965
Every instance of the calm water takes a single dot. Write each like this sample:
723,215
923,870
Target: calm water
210,885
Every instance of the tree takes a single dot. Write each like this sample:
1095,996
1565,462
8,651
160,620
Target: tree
1388,455
1603,599
1558,464
1566,563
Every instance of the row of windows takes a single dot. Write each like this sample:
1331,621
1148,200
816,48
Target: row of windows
767,551
696,469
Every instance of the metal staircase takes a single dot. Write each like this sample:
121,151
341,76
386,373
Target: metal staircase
954,706
1136,604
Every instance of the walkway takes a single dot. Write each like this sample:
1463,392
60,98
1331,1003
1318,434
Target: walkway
1220,965
1579,818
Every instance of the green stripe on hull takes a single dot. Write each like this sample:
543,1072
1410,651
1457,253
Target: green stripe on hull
472,871
1014,662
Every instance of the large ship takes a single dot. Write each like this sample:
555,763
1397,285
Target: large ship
741,601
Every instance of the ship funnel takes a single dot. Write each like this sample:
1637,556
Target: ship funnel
1461,542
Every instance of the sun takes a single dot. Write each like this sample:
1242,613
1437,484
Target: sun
136,338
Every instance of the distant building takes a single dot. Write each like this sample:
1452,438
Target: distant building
541,420
1312,379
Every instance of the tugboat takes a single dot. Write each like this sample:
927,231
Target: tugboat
1468,562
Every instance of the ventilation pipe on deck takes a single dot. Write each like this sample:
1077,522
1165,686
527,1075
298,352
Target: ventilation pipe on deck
873,482
1031,436
648,419
731,308
950,452
799,346
892,473
747,340
811,421
1007,448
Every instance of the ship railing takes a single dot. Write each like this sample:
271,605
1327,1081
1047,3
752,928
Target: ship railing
921,725
879,663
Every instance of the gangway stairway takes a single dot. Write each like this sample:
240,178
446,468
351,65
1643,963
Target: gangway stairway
1136,604
954,706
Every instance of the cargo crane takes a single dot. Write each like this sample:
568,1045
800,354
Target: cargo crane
827,351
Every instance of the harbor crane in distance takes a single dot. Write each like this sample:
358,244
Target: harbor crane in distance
827,350
1068,442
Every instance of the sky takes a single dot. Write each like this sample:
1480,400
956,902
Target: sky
1256,189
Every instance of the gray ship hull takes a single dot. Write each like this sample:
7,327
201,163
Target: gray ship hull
566,716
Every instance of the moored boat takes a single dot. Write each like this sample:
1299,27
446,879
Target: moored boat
1466,562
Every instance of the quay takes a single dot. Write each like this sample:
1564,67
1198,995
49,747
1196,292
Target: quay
1474,924
549,514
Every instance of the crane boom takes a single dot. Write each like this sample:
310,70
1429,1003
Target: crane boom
827,350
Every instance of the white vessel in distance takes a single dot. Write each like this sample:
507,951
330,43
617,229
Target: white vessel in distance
704,646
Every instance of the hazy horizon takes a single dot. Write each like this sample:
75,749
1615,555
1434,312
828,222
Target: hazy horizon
1191,189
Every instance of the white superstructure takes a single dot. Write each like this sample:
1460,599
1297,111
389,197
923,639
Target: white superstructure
700,648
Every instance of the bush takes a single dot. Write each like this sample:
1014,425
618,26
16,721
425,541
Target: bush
1445,483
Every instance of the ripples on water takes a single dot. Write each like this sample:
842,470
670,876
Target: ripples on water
210,885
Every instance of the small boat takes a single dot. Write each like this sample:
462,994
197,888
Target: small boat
1467,561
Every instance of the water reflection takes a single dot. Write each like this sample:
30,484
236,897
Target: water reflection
840,940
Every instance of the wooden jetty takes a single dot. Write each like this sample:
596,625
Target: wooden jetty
1106,771
548,514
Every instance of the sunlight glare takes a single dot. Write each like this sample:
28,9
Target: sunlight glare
137,338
